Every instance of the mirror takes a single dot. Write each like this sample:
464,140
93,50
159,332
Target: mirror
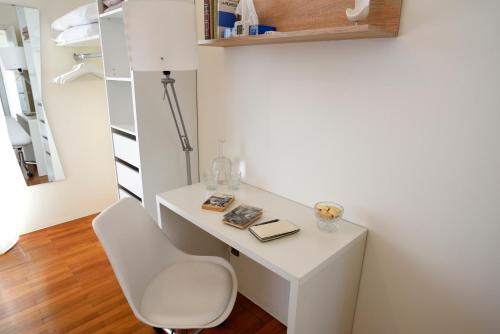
21,95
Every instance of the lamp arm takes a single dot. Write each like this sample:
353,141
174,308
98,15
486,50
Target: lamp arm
178,119
181,130
187,145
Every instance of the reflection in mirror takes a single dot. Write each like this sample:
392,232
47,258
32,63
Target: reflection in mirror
21,95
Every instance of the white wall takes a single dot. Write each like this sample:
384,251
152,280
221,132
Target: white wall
78,119
404,133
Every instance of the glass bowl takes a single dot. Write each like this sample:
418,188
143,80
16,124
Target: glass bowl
328,215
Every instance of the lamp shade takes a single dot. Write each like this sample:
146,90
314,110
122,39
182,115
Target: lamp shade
13,58
161,35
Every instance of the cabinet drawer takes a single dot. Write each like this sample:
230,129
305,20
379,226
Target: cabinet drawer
129,178
126,149
123,194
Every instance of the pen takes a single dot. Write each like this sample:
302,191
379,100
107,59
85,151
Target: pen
268,222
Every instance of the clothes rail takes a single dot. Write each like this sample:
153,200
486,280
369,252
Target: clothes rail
86,56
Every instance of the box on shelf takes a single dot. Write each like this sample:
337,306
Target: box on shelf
260,29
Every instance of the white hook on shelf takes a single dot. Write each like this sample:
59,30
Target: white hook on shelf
360,12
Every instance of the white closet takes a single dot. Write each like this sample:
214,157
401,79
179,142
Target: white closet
147,152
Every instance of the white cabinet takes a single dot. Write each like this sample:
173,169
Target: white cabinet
126,149
123,194
129,178
147,151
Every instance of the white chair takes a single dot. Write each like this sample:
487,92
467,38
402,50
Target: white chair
165,287
19,139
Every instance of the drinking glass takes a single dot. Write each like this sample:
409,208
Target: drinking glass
234,181
210,181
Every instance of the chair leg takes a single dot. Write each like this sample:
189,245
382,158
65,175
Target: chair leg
174,331
22,162
187,331
163,330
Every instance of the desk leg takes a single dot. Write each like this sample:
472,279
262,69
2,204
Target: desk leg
324,303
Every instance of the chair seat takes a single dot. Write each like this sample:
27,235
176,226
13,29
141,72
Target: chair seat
18,136
187,295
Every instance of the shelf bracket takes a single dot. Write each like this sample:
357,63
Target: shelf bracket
360,12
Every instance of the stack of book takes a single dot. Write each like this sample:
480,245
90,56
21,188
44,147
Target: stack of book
219,15
218,202
242,216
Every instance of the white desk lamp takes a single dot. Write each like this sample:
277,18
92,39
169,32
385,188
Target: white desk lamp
161,36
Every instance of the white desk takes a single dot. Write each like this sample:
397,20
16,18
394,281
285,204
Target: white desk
308,281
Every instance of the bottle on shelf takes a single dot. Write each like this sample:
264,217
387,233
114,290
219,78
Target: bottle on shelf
221,165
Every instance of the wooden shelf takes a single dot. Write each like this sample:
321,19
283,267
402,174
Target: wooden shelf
319,20
326,34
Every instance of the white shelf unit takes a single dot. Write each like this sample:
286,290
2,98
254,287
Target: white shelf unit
118,79
146,149
92,41
114,13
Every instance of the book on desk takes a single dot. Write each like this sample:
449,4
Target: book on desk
242,216
218,202
273,229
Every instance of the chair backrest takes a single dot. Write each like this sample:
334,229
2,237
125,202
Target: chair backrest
136,247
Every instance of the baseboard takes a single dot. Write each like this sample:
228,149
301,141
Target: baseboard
8,245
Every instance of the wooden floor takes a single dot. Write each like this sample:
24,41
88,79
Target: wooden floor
58,280
36,179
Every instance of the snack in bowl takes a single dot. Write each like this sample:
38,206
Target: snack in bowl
328,215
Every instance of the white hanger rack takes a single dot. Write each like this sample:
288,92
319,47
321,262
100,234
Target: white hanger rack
85,56
81,69
78,71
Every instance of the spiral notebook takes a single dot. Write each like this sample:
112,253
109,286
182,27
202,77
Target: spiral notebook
272,230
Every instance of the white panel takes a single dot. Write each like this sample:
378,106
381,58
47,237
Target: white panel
265,288
161,35
326,301
129,178
163,163
120,104
188,237
126,149
114,48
